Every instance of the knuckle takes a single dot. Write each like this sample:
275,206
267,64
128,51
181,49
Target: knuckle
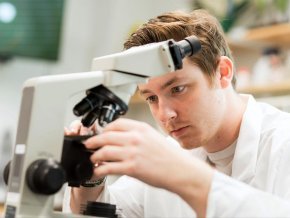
144,127
105,152
132,169
75,123
136,138
107,171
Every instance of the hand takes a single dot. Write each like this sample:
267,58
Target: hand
136,149
76,128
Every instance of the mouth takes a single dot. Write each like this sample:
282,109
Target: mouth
179,132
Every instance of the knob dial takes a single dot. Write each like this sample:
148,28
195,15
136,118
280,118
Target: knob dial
45,176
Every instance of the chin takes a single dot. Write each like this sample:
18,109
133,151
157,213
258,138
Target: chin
188,146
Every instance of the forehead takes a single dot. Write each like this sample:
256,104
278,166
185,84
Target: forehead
188,73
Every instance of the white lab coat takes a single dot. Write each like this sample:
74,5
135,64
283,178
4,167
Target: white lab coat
262,160
261,172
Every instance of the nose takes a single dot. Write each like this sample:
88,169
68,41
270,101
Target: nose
166,112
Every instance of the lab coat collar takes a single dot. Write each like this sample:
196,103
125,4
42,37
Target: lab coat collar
245,158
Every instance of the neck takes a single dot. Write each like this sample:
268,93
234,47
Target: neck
230,124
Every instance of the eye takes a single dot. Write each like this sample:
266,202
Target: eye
151,99
177,89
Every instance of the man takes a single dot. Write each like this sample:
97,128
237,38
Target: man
223,134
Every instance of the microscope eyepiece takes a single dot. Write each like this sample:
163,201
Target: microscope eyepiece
189,46
183,48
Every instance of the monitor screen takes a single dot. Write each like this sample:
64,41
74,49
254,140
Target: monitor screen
30,28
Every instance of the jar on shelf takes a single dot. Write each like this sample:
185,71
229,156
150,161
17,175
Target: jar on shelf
269,67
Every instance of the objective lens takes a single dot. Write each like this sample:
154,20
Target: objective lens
90,118
86,105
107,114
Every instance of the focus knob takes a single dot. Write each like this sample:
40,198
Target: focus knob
45,176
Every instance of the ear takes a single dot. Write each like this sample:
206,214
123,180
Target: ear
225,71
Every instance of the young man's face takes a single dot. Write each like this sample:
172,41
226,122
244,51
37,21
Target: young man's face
186,105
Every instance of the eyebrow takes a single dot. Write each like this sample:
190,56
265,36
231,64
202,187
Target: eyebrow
164,86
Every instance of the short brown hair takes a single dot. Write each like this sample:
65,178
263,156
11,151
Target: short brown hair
178,25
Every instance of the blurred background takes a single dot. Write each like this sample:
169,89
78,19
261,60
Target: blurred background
40,37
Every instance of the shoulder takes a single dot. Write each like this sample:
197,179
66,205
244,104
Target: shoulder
275,138
266,126
275,123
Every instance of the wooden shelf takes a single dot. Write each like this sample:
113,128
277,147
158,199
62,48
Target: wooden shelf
1,209
250,42
259,37
275,89
276,34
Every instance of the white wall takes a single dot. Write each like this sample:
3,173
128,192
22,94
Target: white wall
90,28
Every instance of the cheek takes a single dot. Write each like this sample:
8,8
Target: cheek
154,112
195,104
203,108
214,109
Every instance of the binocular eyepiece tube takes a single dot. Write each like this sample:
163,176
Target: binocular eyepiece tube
184,48
189,46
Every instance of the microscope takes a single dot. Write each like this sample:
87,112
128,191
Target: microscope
42,160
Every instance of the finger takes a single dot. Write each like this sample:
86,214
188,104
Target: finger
113,168
66,131
94,177
97,128
86,131
109,138
123,124
92,130
69,132
108,153
75,127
